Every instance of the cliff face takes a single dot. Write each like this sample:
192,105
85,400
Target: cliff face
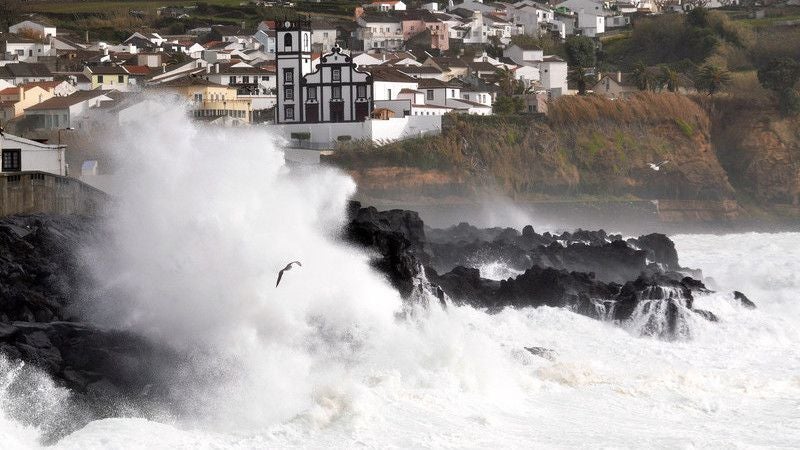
761,151
588,148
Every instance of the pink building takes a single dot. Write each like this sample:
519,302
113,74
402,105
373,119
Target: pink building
413,24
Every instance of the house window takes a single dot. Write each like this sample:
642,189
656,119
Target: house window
246,79
336,92
287,40
288,93
289,112
12,160
288,75
99,78
336,75
452,92
361,91
389,93
121,79
311,94
264,78
430,94
198,97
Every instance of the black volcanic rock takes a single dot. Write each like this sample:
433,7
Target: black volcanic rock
743,300
660,249
397,236
708,315
653,287
37,267
610,261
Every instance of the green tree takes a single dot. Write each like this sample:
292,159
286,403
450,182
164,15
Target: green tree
505,105
581,51
779,74
641,77
697,17
668,79
577,75
712,78
789,102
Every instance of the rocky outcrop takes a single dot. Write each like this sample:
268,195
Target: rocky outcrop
589,272
37,267
743,300
397,236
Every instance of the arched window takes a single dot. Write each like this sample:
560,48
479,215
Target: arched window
287,40
305,41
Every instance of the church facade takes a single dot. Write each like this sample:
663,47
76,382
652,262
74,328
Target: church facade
332,92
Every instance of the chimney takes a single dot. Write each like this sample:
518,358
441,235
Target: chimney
208,69
163,67
243,27
216,67
619,77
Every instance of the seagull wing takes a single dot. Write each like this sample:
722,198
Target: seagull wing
280,275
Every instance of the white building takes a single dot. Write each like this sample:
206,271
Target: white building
387,5
323,36
553,75
293,62
20,155
335,91
380,31
591,23
65,112
522,54
35,28
22,49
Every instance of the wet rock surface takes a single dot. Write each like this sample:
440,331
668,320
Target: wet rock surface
592,273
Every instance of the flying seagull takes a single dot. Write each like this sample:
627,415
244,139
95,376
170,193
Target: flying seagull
286,269
657,167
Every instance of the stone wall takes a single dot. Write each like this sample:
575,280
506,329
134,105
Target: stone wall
42,192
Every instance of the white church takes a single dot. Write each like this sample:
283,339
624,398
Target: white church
332,92
332,101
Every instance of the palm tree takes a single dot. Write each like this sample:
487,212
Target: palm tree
668,78
712,78
641,77
578,76
506,81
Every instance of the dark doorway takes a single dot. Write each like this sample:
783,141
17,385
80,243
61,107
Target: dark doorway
362,111
337,111
312,112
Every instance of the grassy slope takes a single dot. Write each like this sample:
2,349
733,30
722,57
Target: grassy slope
590,147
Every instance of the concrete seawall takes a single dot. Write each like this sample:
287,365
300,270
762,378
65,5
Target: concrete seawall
42,192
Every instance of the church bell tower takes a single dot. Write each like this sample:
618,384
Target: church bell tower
293,61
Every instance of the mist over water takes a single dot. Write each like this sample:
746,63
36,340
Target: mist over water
206,218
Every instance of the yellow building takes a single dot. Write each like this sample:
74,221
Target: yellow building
14,100
210,100
108,77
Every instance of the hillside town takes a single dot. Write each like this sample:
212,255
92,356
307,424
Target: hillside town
388,73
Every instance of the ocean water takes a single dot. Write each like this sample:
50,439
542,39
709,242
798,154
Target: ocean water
334,359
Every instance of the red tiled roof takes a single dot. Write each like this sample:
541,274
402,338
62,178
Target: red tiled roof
9,91
138,70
